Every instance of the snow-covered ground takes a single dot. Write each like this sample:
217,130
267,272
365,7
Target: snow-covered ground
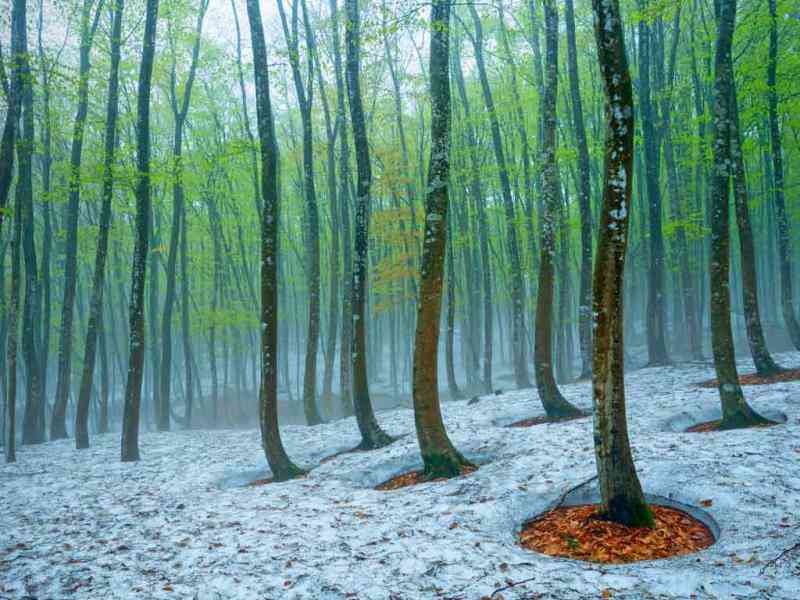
180,524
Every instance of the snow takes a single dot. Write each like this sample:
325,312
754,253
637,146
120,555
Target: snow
181,524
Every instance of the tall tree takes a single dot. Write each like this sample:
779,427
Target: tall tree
519,340
180,111
620,490
439,456
736,412
372,436
305,99
98,282
279,463
656,317
554,403
133,384
778,184
58,428
584,197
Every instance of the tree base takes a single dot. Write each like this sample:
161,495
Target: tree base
376,440
722,425
417,477
584,533
287,473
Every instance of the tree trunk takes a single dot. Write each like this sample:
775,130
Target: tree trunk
133,385
736,412
656,334
784,235
555,405
58,427
620,490
439,456
584,199
98,282
280,464
371,433
517,287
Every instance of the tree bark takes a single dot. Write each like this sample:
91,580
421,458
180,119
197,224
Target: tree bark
98,282
784,236
372,435
736,412
439,456
555,405
620,490
584,199
133,385
280,464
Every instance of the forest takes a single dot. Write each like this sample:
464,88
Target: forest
327,299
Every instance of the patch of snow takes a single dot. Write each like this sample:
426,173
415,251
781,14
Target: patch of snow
182,524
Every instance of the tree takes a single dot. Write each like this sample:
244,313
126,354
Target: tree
517,285
439,456
279,463
778,184
372,435
98,282
89,24
305,98
736,413
620,490
656,333
180,110
584,198
554,403
133,385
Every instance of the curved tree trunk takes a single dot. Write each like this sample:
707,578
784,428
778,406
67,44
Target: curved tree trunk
280,464
620,490
439,456
98,282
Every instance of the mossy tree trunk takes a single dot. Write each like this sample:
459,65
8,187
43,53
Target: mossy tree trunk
620,490
439,456
554,403
736,412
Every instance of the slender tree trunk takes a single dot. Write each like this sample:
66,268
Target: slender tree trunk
517,287
439,456
452,386
656,334
555,405
179,113
784,236
371,433
133,385
280,464
584,199
98,282
58,427
764,363
736,412
620,490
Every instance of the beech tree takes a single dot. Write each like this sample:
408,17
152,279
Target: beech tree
620,490
439,456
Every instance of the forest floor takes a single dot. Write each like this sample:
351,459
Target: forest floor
183,523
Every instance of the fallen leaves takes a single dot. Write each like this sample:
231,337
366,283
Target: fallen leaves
413,478
581,532
709,426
